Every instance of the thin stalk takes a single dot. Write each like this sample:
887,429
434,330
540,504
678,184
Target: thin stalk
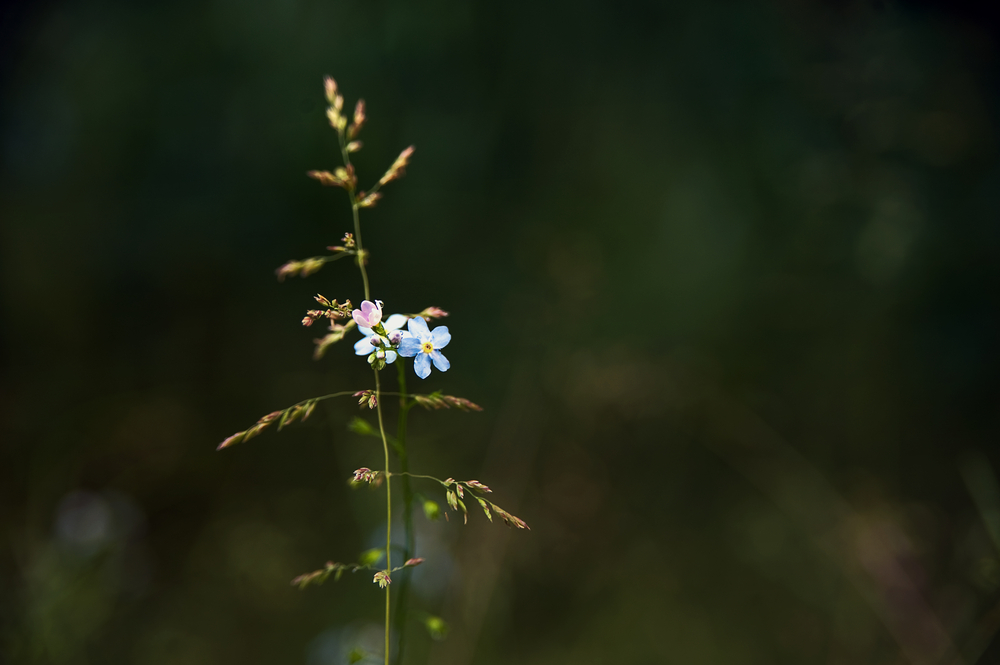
354,211
388,509
360,253
357,242
402,604
404,410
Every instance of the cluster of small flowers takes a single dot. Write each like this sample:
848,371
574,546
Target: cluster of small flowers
382,342
366,475
348,246
367,397
333,311
382,579
337,120
341,177
300,411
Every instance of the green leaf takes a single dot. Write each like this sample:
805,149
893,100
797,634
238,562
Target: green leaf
356,655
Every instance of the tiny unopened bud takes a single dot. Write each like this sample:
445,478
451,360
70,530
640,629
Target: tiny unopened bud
395,337
375,340
380,354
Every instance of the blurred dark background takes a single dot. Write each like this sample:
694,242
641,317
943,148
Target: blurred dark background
723,275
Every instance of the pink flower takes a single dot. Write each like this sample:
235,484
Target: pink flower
370,314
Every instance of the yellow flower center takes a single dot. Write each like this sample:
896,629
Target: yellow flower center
427,347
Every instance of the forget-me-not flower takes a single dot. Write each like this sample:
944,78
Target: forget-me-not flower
364,346
424,344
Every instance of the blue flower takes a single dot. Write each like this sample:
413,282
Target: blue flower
364,347
424,344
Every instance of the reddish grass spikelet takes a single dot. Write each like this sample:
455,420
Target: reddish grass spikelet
337,332
366,475
330,88
508,519
232,440
433,313
398,167
348,241
302,268
359,119
327,178
416,561
367,396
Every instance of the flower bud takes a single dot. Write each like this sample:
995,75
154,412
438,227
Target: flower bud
395,337
375,340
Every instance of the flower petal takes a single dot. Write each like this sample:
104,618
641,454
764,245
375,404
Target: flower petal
360,319
439,360
390,357
422,365
394,322
440,336
409,347
367,332
362,347
372,311
419,328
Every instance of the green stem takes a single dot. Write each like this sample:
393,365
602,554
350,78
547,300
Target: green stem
388,511
420,475
359,248
357,242
354,211
402,605
404,410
